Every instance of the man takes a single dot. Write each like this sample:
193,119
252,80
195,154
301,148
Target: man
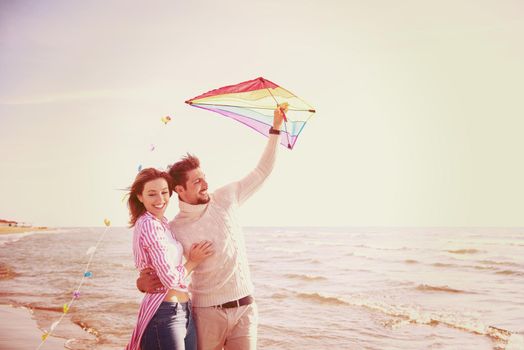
224,310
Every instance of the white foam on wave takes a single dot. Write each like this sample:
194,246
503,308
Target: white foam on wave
13,237
409,314
412,314
305,277
285,250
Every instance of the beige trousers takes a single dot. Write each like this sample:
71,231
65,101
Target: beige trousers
230,329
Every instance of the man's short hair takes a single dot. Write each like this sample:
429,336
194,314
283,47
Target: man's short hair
178,171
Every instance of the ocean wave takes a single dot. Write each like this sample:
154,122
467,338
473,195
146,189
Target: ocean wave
296,259
445,265
285,250
14,237
495,269
413,314
279,296
367,257
381,248
7,272
446,289
86,327
480,267
321,298
510,273
304,277
301,259
325,244
465,251
44,308
493,262
499,271
123,307
127,265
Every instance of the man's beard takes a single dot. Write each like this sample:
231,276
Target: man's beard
204,200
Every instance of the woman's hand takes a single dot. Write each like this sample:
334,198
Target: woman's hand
201,251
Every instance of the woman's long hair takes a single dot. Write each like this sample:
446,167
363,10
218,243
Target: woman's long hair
136,208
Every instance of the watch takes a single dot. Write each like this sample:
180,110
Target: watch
274,131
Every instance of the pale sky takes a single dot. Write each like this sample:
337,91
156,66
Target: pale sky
419,107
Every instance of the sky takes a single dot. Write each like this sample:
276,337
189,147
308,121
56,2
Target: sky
419,107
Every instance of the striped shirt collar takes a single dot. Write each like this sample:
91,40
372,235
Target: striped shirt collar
164,219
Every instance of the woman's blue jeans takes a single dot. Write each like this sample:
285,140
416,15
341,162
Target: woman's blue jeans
171,328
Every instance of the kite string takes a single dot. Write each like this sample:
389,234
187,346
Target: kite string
153,146
76,292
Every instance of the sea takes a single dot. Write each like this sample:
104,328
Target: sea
316,287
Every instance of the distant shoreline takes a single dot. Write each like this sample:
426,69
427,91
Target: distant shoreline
14,229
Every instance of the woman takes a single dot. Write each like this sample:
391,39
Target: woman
164,319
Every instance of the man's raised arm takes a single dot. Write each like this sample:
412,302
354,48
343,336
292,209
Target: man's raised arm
252,182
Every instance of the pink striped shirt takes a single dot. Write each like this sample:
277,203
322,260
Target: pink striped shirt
154,245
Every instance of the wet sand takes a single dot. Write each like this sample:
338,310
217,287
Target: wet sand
18,331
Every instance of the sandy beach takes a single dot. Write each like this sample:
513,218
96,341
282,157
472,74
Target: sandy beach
10,229
19,331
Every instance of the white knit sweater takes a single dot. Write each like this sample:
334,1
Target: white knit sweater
225,275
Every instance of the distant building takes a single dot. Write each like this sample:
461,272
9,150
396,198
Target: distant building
8,223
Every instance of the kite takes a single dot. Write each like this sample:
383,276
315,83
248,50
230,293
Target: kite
252,103
165,119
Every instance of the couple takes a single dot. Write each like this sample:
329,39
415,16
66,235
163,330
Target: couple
222,313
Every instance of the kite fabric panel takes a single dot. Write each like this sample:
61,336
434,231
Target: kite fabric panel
252,103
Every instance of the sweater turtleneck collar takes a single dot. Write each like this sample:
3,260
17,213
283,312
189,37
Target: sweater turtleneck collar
191,208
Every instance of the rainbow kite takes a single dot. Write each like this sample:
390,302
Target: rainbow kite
253,102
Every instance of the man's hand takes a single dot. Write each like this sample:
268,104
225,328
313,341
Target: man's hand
279,115
148,282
